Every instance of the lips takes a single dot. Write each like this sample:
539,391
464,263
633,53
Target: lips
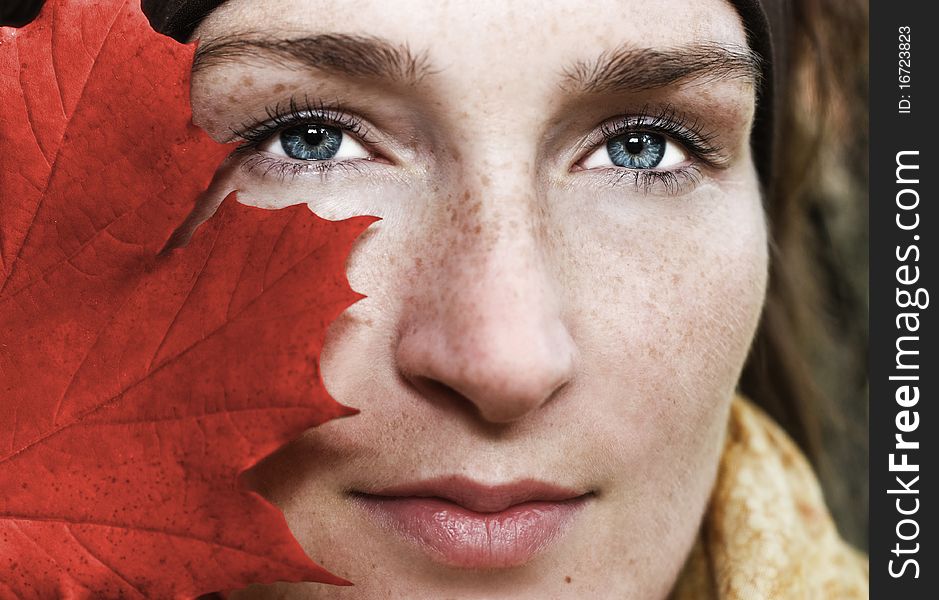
459,522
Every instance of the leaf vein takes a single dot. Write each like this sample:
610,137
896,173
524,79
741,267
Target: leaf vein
182,535
100,561
169,362
54,163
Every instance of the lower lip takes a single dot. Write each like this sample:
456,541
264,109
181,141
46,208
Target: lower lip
459,537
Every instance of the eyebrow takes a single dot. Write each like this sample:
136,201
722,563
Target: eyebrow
629,69
342,54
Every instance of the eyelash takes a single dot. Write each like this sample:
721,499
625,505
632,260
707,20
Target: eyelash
665,121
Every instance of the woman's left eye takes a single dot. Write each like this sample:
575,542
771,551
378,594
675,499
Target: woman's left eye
637,150
315,142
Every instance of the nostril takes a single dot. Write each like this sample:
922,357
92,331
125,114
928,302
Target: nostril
443,396
491,405
433,389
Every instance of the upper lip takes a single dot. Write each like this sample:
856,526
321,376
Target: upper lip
480,497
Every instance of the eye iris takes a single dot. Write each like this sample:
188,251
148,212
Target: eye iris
636,150
311,142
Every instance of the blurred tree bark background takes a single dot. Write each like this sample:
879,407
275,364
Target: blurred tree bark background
829,119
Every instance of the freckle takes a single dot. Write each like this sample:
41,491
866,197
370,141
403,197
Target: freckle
279,88
567,579
478,229
247,81
466,196
232,100
485,180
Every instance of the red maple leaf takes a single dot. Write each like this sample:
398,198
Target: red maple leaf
137,385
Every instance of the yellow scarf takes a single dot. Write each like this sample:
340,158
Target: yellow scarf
767,533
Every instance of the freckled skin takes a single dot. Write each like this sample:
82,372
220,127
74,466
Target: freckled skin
523,319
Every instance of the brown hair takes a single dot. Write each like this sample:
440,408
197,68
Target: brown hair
807,367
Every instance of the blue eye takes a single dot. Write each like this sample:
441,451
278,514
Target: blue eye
314,142
636,150
311,142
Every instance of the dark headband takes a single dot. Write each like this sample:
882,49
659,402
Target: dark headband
765,22
178,18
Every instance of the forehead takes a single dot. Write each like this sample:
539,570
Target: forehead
492,36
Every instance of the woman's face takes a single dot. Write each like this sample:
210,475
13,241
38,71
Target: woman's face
561,292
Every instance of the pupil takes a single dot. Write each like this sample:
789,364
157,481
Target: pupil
314,136
634,144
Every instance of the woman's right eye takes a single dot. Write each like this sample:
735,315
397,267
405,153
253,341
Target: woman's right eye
315,142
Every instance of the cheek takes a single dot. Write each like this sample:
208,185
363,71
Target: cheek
667,295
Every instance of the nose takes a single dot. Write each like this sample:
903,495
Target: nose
486,328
